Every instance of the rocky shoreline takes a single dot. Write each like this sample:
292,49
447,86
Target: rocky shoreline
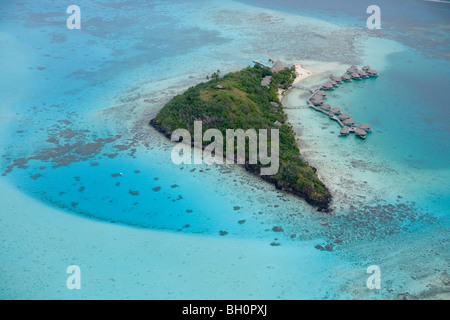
321,205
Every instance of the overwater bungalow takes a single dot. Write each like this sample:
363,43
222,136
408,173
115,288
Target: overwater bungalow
345,131
336,79
344,116
344,119
318,96
316,101
336,111
327,86
350,122
352,69
366,127
346,77
361,133
325,107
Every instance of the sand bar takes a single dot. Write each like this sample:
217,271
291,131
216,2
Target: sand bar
301,72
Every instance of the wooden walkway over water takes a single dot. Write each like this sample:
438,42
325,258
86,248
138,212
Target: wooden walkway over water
296,107
312,90
261,64
335,116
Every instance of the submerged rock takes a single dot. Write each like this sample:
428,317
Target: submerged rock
404,296
277,229
275,244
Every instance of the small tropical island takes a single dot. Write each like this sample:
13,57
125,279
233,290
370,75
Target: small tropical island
249,99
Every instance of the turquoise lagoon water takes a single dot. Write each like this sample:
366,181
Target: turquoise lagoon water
87,181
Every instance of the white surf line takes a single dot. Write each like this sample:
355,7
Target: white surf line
441,1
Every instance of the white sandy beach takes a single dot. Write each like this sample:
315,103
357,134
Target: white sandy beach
301,73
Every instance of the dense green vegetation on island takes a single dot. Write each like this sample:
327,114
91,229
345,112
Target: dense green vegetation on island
239,101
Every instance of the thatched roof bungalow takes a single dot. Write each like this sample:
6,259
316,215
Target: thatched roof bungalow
316,101
325,107
352,69
336,111
336,79
361,133
265,82
363,74
327,85
350,122
277,67
366,127
346,77
345,131
344,116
